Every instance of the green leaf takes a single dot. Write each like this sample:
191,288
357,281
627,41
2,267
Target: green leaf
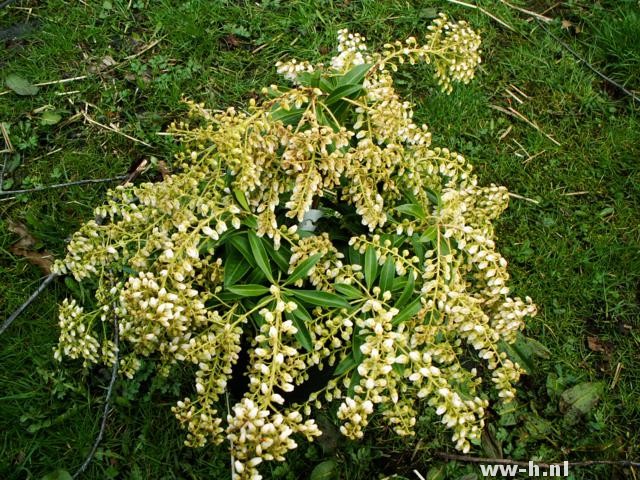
429,235
579,400
241,198
260,254
50,118
409,311
355,75
302,313
324,119
20,85
277,256
370,266
433,197
302,335
412,210
13,163
387,274
58,475
327,84
288,117
344,366
248,290
437,472
491,445
348,291
303,269
355,380
235,267
351,91
356,342
250,221
418,247
323,299
327,470
354,256
257,276
407,293
241,243
310,79
525,350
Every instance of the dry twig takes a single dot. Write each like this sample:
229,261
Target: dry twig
591,67
61,185
107,402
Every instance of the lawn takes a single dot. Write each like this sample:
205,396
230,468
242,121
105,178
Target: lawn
564,141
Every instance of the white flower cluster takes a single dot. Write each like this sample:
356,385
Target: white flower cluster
401,288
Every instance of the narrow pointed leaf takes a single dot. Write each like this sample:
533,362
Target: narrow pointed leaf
349,91
387,274
348,291
260,254
355,75
344,366
303,269
356,343
248,290
412,210
370,266
241,198
241,243
235,267
409,311
280,256
323,299
302,335
407,293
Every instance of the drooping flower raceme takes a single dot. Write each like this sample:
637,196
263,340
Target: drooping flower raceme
392,290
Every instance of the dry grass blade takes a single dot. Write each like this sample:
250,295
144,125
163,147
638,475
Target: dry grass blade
114,130
62,185
528,12
488,14
7,141
516,114
526,199
53,82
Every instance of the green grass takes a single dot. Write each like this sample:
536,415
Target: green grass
576,251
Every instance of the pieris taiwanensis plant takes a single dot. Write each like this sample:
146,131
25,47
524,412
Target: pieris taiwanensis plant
316,230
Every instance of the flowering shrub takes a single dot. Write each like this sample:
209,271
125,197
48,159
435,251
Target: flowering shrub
317,230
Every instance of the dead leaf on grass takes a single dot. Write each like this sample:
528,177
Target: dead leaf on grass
595,344
25,247
163,169
108,61
566,24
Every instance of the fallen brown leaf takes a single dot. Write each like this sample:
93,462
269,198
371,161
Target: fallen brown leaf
25,247
163,169
597,345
